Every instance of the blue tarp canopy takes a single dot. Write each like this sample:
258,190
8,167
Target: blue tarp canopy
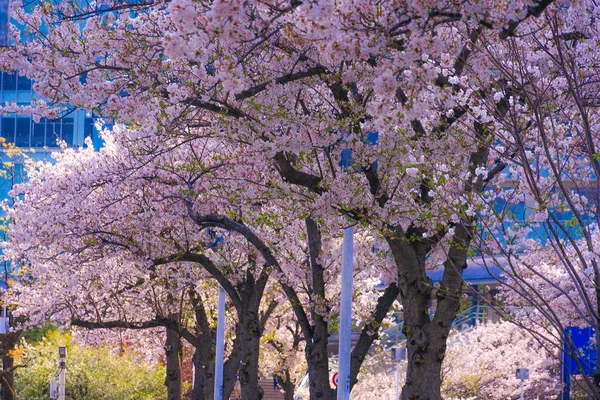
479,270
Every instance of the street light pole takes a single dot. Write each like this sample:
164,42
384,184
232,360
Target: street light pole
220,346
62,366
345,345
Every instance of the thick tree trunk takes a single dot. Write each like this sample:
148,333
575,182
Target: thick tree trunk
7,379
204,362
249,333
426,336
203,374
316,345
318,363
423,380
426,348
204,356
173,352
8,342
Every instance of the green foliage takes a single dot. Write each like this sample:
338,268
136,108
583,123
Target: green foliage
92,373
38,334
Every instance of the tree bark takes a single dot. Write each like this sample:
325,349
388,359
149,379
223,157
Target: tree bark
318,362
285,381
203,377
316,345
7,379
426,337
204,355
173,352
426,346
249,333
8,342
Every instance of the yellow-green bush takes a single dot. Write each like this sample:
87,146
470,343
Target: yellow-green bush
92,373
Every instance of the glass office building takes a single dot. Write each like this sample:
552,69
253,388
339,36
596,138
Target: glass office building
41,136
22,130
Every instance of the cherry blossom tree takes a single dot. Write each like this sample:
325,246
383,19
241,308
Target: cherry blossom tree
138,251
110,272
295,85
543,212
11,173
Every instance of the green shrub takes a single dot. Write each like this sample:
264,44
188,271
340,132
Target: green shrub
92,373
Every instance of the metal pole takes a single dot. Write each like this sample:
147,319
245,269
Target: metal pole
522,388
343,391
6,322
397,362
219,354
397,380
62,366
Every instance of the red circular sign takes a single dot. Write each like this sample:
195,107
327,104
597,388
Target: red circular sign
334,379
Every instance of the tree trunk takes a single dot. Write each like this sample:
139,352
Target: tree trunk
426,348
204,355
8,342
173,352
7,379
230,370
203,376
249,344
285,381
317,356
318,362
426,337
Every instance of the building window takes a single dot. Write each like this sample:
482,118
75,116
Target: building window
23,132
88,128
38,138
52,133
23,83
3,22
13,81
9,81
7,124
67,131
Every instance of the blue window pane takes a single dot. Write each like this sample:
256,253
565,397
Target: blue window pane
23,128
39,134
9,81
52,133
67,131
88,127
3,22
8,128
23,83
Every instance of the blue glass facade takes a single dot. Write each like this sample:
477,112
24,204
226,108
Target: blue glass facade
3,22
25,132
